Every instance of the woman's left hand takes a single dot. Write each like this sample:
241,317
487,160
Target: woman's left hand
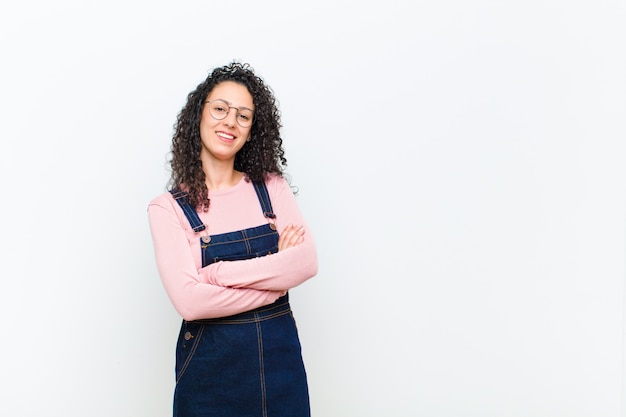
291,236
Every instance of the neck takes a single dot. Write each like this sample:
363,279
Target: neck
218,179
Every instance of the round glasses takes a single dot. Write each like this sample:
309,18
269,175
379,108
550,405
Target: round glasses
219,109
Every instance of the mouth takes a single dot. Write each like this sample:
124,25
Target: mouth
225,135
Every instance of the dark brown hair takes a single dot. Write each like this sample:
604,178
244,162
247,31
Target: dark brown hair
262,155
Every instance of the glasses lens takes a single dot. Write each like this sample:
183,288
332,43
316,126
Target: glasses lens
244,117
218,109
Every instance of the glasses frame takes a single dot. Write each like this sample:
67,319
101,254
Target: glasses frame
226,104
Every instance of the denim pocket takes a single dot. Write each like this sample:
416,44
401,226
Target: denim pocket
239,245
188,340
244,256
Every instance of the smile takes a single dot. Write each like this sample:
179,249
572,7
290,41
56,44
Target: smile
225,135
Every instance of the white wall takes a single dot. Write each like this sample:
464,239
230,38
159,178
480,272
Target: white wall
461,163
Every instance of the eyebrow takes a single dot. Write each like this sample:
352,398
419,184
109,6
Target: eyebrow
231,104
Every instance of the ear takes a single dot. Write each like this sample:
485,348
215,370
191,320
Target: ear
249,139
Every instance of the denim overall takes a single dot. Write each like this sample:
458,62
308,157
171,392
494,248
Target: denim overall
248,364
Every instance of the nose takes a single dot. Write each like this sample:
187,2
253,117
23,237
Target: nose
231,117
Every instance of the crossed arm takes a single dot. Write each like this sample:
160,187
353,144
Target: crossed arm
230,287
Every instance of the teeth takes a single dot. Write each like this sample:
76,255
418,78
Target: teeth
225,135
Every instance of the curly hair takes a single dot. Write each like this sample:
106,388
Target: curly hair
262,155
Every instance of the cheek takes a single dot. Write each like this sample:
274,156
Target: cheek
206,125
206,118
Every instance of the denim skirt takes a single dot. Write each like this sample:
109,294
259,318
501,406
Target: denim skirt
246,365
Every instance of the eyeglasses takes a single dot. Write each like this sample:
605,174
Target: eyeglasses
219,109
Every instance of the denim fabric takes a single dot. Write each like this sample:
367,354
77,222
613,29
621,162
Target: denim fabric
242,244
249,364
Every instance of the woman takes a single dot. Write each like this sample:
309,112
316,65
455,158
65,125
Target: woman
223,263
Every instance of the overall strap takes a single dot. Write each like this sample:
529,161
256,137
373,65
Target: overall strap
264,199
182,199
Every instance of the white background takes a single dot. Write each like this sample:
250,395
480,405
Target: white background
460,162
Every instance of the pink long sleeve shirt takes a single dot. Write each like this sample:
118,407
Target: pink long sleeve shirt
228,287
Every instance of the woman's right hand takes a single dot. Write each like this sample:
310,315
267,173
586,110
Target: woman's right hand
291,236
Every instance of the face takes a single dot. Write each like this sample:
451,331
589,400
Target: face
222,139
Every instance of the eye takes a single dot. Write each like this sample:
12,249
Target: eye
244,117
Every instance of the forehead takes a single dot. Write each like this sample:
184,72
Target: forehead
234,93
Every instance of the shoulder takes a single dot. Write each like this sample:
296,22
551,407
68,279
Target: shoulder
162,200
277,183
165,210
280,190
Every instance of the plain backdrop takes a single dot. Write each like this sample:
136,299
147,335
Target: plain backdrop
461,163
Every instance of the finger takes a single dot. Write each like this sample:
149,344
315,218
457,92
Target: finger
295,236
283,238
291,236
